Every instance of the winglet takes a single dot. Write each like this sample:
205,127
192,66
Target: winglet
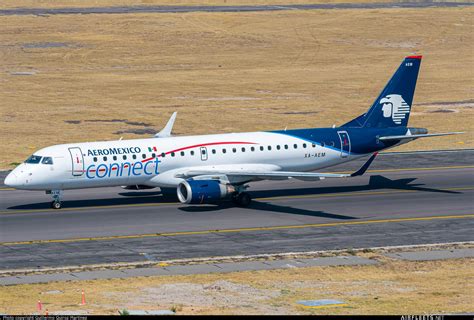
166,131
366,166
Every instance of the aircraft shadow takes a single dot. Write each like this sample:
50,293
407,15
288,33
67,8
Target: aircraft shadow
375,183
265,206
153,197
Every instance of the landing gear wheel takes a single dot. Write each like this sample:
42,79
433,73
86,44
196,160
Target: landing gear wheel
243,199
56,205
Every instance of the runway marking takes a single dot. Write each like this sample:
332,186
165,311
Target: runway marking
7,189
185,233
308,196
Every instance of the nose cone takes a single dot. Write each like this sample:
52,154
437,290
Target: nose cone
11,180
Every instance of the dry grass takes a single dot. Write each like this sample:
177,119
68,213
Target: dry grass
225,72
7,4
393,287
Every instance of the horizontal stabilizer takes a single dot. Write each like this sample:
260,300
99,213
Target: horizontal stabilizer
366,166
416,136
166,131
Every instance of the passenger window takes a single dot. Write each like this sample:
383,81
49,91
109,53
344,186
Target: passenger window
322,144
203,151
182,153
304,145
278,147
124,157
153,155
261,148
252,148
192,152
143,156
213,151
314,146
286,146
95,159
331,143
234,150
134,156
33,159
163,154
172,154
269,148
224,151
243,149
115,158
47,160
295,146
105,158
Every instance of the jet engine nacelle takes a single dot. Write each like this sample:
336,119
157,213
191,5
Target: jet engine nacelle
202,191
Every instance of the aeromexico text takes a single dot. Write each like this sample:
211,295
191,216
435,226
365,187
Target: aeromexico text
107,170
112,151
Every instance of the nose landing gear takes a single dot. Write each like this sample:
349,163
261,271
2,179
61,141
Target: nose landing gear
56,204
57,196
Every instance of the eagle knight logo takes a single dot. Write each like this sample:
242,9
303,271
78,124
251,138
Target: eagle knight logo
393,106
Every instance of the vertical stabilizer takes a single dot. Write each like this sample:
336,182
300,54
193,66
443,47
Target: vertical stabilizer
392,107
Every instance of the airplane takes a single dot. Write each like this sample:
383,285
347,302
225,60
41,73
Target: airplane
209,168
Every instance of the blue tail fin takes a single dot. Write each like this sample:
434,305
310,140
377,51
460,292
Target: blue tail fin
392,107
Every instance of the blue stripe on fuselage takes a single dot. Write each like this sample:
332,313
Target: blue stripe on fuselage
363,140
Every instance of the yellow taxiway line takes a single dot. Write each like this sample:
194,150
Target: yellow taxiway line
308,196
287,227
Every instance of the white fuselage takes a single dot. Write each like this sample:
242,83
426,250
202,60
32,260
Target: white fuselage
157,161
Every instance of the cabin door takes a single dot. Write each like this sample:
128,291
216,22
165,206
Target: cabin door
77,161
345,143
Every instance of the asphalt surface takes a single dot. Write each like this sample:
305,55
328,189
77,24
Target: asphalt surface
250,8
406,199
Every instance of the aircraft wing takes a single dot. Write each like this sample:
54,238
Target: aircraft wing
274,175
416,136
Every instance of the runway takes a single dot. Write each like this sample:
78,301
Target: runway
243,8
406,198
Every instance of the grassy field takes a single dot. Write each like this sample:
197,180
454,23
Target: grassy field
7,4
391,287
66,78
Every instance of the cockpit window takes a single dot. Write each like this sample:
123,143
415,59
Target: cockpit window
33,159
47,160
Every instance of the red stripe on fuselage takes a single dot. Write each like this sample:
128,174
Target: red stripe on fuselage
209,144
185,148
200,145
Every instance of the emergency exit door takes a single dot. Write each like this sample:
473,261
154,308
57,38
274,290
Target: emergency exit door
203,153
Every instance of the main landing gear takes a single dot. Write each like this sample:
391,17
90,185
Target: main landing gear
242,199
57,196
